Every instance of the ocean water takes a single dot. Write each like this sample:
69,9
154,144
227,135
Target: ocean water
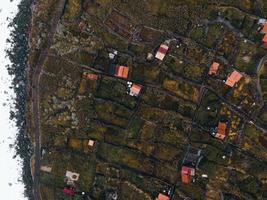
11,188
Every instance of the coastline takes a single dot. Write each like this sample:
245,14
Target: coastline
19,69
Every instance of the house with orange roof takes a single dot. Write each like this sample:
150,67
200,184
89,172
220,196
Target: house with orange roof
135,89
162,197
121,71
161,53
90,76
214,68
221,130
234,77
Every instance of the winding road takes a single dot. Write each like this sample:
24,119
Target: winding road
36,97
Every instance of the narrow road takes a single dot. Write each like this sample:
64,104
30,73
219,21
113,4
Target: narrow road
36,97
245,116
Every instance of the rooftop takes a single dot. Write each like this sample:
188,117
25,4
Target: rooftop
214,68
122,71
161,53
162,197
221,130
135,89
234,77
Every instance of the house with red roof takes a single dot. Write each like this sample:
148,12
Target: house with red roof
214,68
162,197
186,174
234,78
161,53
135,89
121,71
190,163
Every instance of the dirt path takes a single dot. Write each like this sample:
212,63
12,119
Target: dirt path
36,98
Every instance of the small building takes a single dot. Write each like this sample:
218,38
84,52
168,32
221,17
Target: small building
72,176
90,76
214,68
46,169
69,190
162,197
161,53
135,89
187,173
91,143
121,71
234,77
221,130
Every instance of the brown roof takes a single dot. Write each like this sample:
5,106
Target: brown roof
233,78
221,132
214,68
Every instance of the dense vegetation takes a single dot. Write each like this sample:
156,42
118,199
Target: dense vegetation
17,54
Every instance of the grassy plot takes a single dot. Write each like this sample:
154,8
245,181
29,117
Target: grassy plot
254,141
248,57
182,89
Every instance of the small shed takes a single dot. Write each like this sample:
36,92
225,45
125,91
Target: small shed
121,71
91,143
161,53
72,176
46,168
214,68
234,77
162,197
